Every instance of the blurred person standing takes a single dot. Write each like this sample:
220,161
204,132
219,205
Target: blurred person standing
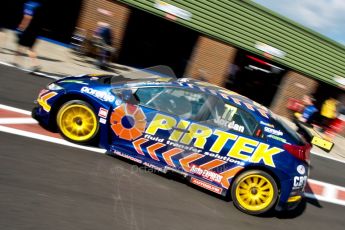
2,35
28,31
328,111
2,32
309,110
104,40
335,125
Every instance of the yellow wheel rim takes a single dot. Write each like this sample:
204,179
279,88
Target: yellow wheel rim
254,192
77,122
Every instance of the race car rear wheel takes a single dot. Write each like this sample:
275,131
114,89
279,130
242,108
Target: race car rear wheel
254,192
77,122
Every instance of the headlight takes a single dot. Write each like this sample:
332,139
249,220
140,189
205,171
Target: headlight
54,87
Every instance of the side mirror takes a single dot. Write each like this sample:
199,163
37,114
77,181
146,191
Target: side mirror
128,97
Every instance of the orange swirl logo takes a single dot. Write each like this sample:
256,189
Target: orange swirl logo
128,121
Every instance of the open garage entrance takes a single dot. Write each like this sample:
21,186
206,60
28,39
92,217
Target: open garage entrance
255,77
150,40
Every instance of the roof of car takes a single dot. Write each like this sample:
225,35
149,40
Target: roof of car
209,88
228,95
195,84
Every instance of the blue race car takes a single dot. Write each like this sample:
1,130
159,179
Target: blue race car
217,139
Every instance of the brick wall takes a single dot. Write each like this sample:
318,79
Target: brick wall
293,85
211,59
90,14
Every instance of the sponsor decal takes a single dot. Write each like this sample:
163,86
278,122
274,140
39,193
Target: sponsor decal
270,50
194,134
206,185
154,167
273,131
173,10
42,92
267,124
301,169
102,121
208,175
340,80
299,182
128,121
127,156
186,161
104,96
230,125
43,99
118,102
103,113
224,158
277,138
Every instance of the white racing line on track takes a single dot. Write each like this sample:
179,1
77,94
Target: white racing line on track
318,190
14,109
48,139
4,121
29,71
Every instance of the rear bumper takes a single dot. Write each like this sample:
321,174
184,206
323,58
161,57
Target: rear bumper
290,205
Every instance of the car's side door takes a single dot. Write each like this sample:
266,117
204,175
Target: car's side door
238,137
157,125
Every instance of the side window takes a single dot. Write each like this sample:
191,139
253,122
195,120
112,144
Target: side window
144,95
230,117
180,102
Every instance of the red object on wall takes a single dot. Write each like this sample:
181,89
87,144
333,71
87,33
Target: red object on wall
295,105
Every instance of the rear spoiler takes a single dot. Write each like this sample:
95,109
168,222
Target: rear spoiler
313,137
304,131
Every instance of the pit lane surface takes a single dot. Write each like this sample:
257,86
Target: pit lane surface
49,186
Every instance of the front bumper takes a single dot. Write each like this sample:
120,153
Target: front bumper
34,113
42,117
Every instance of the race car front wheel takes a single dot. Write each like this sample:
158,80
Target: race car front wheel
77,122
254,192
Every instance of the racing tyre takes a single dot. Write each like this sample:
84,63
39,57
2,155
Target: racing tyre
78,122
254,192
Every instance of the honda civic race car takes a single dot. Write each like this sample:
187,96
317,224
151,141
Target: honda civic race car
217,139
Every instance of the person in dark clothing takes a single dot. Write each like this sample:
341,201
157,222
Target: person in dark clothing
103,37
309,111
28,31
2,33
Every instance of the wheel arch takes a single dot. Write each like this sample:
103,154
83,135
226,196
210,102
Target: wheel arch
62,100
276,179
257,167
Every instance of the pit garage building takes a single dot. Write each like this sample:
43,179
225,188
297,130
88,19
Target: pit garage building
236,44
